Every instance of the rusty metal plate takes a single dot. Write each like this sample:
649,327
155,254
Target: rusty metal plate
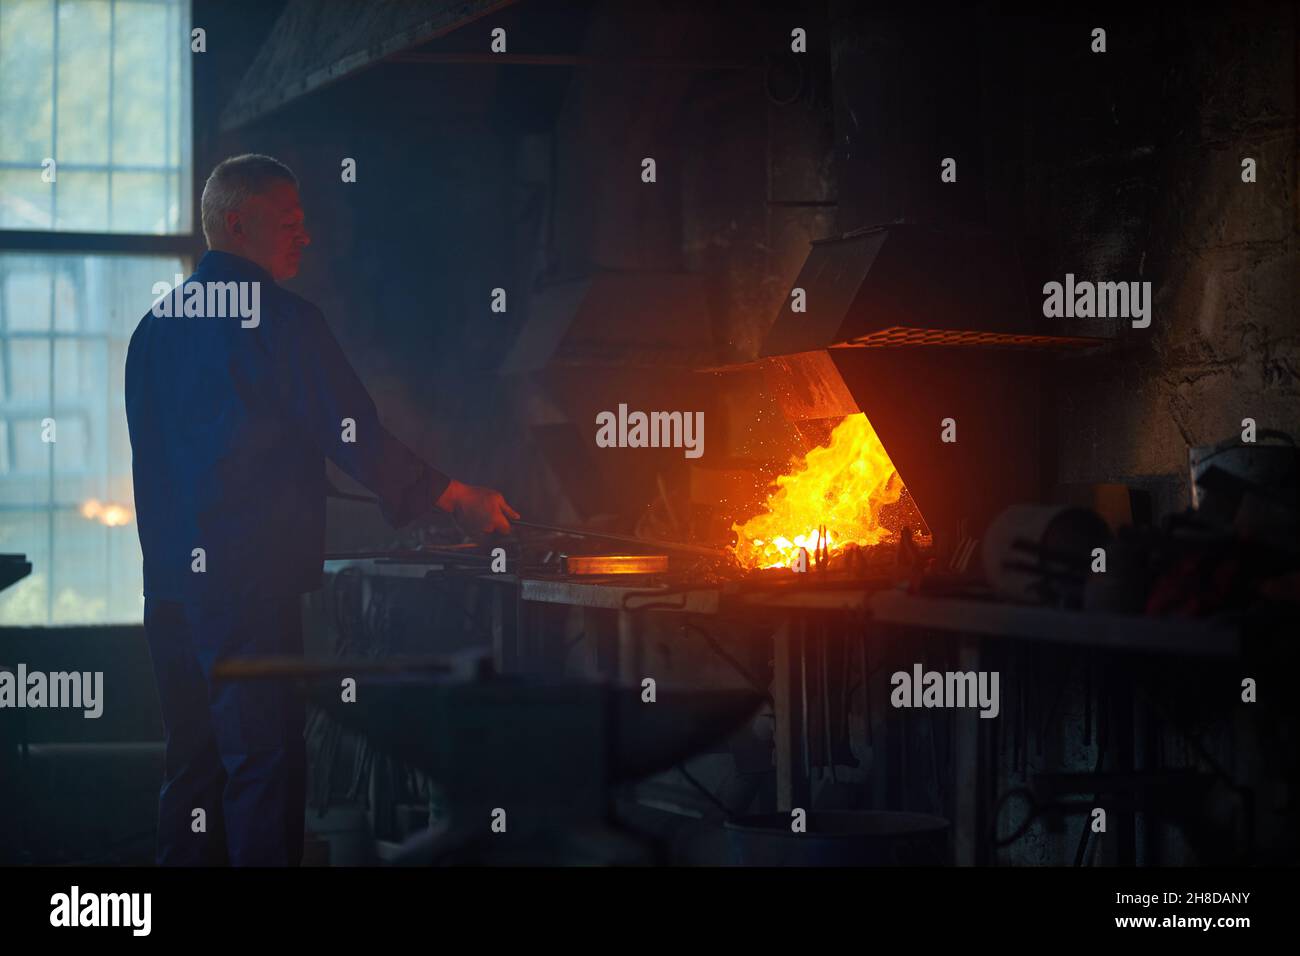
900,336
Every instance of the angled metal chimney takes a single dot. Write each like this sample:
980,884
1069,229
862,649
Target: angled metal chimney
916,314
907,284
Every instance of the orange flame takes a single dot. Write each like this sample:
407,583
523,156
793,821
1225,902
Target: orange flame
109,514
842,485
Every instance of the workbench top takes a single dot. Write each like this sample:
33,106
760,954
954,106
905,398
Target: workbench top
962,615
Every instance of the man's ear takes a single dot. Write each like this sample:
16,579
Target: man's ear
233,225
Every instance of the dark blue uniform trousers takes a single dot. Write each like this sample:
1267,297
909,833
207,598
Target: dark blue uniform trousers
234,748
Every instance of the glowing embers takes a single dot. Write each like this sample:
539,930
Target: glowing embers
842,486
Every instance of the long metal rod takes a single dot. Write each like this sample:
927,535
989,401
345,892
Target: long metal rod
624,539
719,553
243,668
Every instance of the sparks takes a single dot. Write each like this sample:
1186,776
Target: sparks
841,486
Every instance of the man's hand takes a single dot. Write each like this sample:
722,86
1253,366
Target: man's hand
477,510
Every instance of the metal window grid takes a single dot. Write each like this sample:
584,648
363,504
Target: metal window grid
55,241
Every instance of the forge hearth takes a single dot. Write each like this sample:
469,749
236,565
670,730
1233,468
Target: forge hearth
923,333
842,495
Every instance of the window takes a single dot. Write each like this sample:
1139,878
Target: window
101,88
95,207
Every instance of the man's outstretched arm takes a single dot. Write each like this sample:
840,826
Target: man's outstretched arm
320,388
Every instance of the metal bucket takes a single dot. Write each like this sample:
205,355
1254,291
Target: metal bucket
840,838
1042,553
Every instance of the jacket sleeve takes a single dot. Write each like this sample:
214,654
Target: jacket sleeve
319,388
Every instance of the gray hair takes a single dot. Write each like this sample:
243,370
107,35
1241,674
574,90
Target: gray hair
232,182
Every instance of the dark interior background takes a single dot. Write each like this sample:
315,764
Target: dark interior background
474,176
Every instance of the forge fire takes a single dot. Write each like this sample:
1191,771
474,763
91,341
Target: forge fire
830,500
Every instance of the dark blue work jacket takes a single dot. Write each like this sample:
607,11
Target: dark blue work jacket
231,420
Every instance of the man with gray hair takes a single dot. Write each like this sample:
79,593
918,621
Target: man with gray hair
231,422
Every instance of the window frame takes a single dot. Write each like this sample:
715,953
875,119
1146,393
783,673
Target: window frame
187,246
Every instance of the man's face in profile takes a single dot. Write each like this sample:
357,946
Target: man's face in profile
268,229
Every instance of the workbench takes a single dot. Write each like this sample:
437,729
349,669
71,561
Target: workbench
791,608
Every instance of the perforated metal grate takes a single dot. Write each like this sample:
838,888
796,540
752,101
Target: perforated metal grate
902,336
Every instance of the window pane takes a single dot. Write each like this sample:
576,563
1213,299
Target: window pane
72,455
25,201
68,504
28,480
83,78
29,371
80,370
69,300
140,100
24,294
80,569
81,201
103,88
140,202
26,81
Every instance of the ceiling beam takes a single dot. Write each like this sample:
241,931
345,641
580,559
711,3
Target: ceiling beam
317,42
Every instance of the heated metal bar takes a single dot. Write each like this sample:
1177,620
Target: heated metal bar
616,564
